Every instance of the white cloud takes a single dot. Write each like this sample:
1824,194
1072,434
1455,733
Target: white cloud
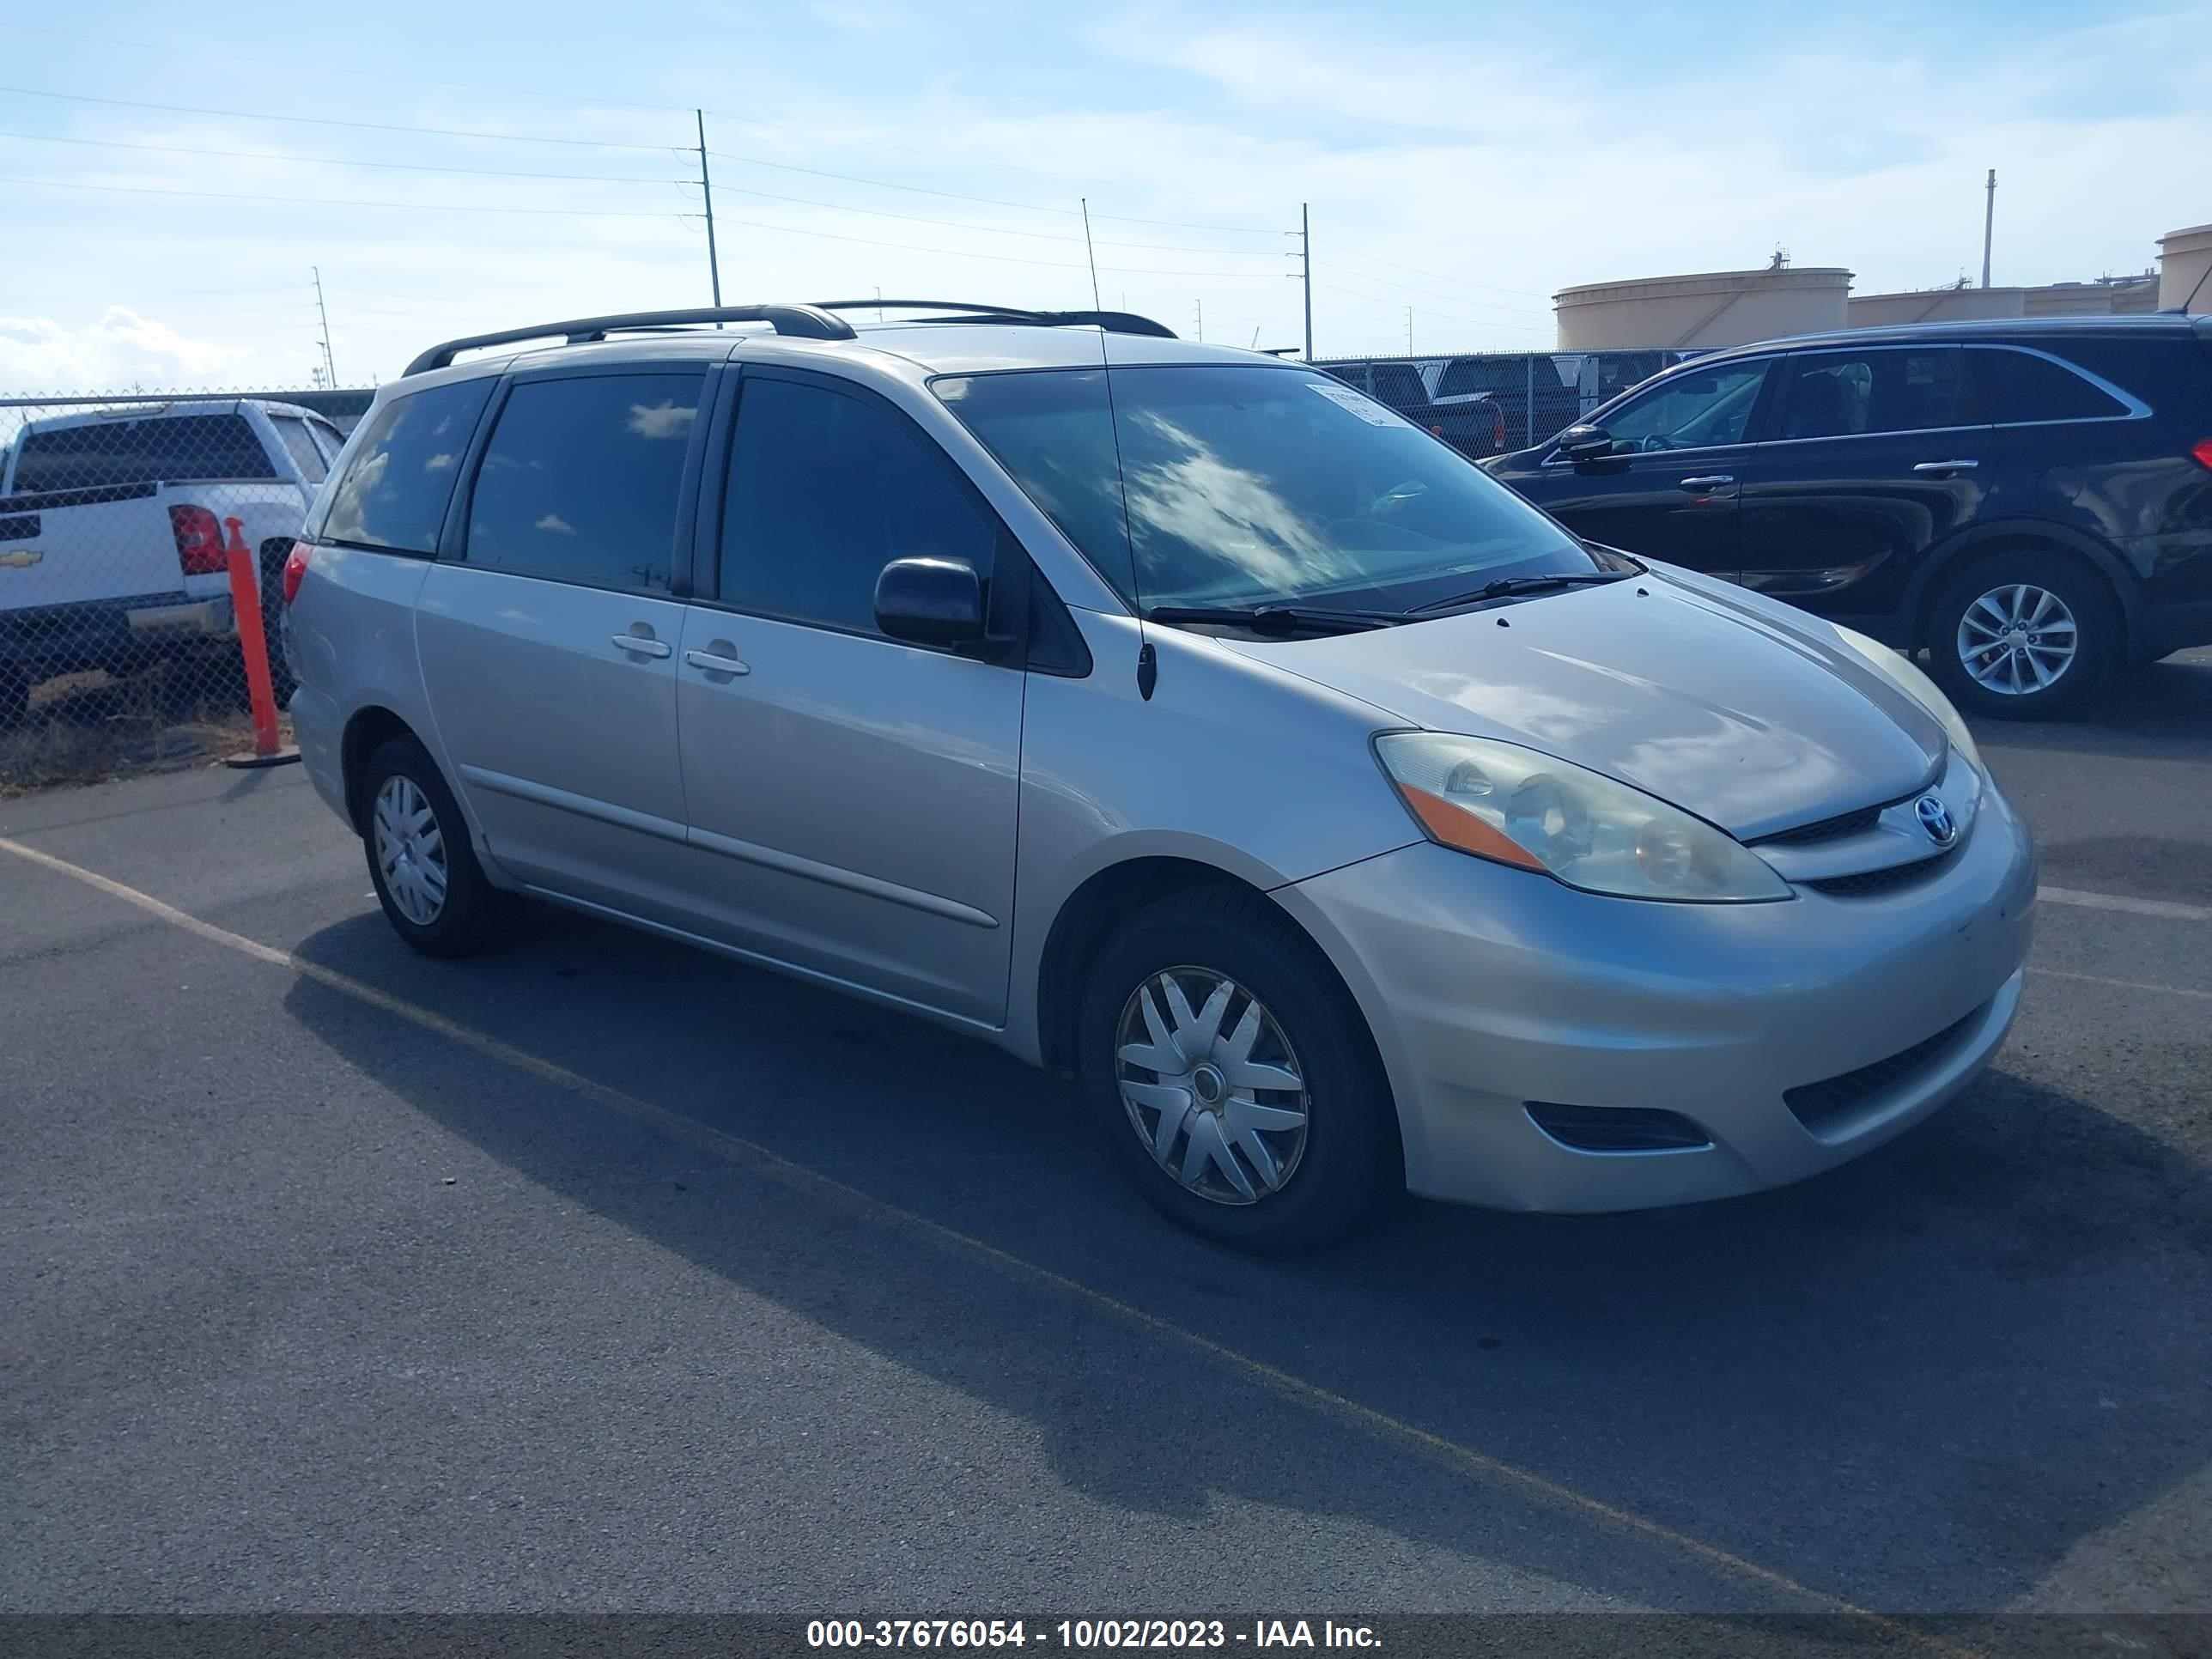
122,349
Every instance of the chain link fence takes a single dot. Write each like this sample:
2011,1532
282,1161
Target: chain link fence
1492,403
120,645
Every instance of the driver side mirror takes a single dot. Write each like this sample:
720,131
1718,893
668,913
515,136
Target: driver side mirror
930,602
1585,443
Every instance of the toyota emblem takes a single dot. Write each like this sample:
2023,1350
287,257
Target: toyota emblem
1935,818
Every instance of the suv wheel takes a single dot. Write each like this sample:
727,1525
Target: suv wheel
2029,634
1234,1077
433,892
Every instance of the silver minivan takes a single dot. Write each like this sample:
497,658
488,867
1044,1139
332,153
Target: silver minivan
1169,716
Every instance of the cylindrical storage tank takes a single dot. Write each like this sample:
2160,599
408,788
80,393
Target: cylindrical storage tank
1940,305
2183,258
2068,299
1710,309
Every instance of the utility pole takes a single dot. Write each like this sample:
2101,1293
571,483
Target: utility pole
1305,259
707,190
1201,304
1988,224
1409,330
330,365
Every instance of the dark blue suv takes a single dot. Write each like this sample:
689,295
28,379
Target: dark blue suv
2030,502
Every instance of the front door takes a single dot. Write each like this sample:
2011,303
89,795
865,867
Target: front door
1668,490
1875,456
852,797
549,648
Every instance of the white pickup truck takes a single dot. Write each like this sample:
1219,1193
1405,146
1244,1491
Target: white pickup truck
112,534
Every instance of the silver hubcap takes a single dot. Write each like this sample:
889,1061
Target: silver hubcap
2016,640
410,851
1211,1085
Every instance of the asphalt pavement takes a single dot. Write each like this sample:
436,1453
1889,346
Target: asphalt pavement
602,1274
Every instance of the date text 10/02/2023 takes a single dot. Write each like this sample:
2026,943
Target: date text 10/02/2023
1086,1633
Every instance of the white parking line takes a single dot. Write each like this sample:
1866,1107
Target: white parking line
2171,909
2120,984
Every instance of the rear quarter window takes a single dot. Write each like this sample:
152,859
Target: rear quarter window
394,492
2018,386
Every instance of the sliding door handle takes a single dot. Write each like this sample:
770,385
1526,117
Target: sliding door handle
642,645
714,660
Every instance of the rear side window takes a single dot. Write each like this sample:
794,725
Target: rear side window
1463,376
2016,386
165,450
824,491
1843,394
299,445
580,480
394,493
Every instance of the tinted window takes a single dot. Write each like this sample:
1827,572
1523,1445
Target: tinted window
2015,386
1690,410
159,451
1465,374
580,478
394,492
1246,484
824,491
1845,394
293,434
1399,385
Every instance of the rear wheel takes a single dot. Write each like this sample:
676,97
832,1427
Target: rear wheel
2028,635
281,683
1234,1077
433,892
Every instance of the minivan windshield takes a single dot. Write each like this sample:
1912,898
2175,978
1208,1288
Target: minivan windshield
1227,484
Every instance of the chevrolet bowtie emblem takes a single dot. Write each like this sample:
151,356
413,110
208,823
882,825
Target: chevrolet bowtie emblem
20,558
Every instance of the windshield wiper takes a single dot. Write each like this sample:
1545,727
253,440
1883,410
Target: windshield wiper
1276,618
1506,585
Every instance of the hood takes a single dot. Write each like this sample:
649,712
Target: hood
1753,716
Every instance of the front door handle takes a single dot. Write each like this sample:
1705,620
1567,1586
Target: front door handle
718,657
1926,467
1710,481
642,645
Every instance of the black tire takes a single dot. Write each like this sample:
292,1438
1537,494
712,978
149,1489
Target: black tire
2099,634
474,914
15,696
281,683
1349,1164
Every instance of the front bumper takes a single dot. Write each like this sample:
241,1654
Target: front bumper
1488,988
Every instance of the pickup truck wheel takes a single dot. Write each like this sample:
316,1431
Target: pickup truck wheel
1234,1077
433,892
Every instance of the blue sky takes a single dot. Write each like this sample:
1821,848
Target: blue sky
1463,160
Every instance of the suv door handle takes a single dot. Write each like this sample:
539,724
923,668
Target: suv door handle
1710,481
714,661
1945,467
642,645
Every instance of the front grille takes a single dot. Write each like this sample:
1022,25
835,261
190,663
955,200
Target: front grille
1807,835
1819,1106
1868,882
1617,1128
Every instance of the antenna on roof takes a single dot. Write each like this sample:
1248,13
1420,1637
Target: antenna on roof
1096,304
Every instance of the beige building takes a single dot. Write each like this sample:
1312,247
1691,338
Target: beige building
2184,270
1714,308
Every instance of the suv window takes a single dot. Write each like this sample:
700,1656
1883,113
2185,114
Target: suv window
158,450
394,493
1690,411
824,491
1399,385
1838,394
2016,385
580,478
292,432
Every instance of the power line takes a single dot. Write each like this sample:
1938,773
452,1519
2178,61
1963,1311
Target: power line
342,161
1457,300
349,201
1439,276
328,121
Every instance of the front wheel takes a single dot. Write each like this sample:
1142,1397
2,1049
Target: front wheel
433,892
2029,634
1234,1077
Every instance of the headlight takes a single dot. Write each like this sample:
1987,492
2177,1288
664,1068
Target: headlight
1904,673
1500,801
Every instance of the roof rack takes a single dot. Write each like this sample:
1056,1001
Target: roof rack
808,322
817,321
1114,322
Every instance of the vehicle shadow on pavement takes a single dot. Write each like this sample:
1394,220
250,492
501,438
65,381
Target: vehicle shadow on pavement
1918,1382
2162,711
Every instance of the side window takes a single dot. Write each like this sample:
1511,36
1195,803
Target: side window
2015,385
1463,376
394,493
1829,396
1695,409
1848,394
1399,385
824,491
292,433
580,478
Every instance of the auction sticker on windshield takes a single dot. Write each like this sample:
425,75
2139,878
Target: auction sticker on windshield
1359,403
